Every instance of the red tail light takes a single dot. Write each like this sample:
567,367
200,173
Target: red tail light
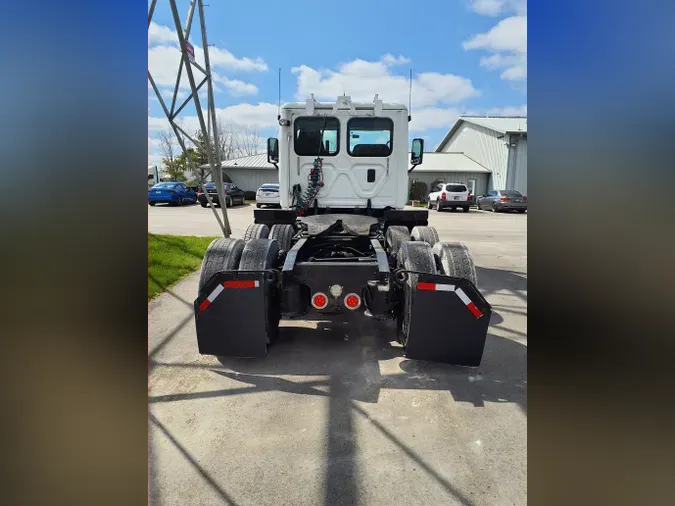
443,196
524,199
352,301
504,199
319,300
199,191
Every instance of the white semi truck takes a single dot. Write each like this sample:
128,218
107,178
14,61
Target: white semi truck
342,242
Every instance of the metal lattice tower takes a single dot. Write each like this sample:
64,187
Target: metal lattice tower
208,127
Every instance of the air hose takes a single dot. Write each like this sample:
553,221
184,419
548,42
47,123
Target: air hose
303,201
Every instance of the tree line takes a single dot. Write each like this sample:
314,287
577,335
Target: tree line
234,141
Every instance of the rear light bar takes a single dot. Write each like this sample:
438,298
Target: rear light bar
504,199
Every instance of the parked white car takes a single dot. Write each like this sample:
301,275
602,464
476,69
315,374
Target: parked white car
450,195
267,195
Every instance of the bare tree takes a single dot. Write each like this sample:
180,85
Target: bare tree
237,140
248,141
167,145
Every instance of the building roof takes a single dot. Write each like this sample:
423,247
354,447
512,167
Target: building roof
449,162
250,162
500,124
247,162
511,124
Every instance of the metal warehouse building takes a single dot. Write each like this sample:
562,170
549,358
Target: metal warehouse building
250,172
498,143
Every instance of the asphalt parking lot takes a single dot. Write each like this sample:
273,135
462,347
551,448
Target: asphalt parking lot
335,414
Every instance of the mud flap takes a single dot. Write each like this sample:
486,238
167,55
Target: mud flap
237,314
449,321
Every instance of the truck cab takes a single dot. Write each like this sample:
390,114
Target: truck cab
363,148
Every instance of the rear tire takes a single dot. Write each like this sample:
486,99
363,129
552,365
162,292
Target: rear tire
204,204
221,255
256,231
466,209
258,206
412,256
283,234
521,211
426,234
258,255
438,205
429,206
151,203
395,235
453,259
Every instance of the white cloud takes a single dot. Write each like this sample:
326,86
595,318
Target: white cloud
507,41
362,79
237,88
392,60
433,117
223,58
498,7
261,115
509,34
159,34
164,60
520,110
164,36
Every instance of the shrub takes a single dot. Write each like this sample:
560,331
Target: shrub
418,191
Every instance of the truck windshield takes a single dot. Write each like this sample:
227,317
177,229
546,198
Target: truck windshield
370,136
308,139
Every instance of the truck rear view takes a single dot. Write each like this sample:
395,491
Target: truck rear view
342,243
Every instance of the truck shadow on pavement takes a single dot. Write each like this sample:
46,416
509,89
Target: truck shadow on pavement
351,361
350,353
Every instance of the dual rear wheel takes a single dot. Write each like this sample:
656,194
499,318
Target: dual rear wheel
422,252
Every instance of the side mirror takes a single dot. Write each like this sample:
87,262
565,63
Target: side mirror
417,152
273,150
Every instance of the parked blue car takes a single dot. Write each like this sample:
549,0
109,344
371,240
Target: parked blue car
174,194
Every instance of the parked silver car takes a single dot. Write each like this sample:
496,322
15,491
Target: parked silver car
503,200
267,195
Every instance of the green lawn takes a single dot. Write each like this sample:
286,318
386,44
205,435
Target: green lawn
171,258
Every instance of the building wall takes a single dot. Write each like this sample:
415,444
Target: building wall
452,177
482,145
517,171
251,179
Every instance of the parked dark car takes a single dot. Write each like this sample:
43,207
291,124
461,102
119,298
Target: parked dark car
175,194
233,195
503,200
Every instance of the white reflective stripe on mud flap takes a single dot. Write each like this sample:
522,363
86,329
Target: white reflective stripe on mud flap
215,293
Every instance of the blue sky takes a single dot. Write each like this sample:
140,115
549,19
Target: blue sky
467,56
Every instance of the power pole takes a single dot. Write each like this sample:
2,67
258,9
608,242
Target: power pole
187,62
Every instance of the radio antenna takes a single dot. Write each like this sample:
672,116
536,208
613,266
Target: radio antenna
410,98
279,102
